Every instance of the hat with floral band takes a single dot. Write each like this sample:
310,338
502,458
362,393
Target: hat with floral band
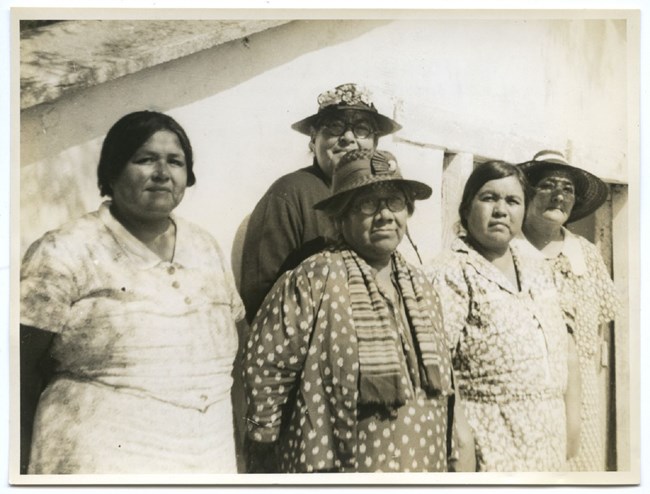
348,96
590,191
363,167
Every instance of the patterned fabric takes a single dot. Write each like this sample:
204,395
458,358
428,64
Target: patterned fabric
588,295
510,356
379,362
302,378
127,323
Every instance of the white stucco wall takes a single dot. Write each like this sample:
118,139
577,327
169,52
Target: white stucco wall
495,88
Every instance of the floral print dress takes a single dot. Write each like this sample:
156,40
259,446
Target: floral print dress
509,350
588,299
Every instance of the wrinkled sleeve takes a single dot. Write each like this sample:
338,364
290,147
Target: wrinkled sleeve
275,353
49,284
273,233
450,284
608,300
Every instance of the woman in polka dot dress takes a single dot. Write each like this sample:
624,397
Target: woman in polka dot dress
510,344
347,368
564,194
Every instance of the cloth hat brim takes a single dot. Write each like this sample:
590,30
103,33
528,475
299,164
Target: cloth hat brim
417,190
591,191
385,125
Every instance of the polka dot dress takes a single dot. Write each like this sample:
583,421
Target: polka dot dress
302,378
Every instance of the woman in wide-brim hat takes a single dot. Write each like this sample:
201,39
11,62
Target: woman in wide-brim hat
562,194
347,368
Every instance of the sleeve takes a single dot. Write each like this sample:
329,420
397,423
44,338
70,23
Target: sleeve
450,285
273,233
49,284
608,300
275,353
236,305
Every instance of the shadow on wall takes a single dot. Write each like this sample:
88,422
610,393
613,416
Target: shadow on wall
65,122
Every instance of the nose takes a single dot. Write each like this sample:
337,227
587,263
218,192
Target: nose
348,135
160,170
383,212
499,208
558,195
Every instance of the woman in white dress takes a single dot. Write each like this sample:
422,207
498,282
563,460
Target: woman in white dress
137,309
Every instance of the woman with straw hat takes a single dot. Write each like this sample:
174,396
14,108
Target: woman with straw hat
347,368
563,194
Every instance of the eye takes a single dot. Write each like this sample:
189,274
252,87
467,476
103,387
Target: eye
176,162
515,201
141,160
487,198
545,186
335,126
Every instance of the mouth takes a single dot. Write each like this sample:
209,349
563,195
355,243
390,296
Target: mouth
158,189
498,224
383,232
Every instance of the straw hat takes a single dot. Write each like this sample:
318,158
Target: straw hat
591,192
347,97
363,167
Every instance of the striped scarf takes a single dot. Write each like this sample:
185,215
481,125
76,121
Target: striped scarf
380,368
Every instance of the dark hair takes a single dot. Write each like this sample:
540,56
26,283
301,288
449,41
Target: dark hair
483,173
127,135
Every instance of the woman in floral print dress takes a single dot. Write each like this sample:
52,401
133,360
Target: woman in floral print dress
347,368
564,194
509,343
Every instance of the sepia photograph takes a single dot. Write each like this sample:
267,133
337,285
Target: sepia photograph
325,246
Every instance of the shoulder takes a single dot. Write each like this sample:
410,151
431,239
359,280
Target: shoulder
447,264
587,247
194,231
71,235
322,263
298,181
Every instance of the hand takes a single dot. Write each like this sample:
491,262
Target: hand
261,457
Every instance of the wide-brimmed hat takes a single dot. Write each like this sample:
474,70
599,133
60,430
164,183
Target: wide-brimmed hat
363,167
348,96
591,192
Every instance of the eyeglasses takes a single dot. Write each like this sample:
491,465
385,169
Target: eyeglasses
361,129
371,205
548,186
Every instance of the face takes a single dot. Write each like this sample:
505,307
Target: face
153,182
375,235
496,213
553,200
331,143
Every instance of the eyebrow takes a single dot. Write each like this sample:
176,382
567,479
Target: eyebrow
556,179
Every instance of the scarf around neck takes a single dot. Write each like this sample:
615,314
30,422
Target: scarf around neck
380,368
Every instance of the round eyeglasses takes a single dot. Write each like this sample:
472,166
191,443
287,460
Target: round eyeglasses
360,129
371,205
549,186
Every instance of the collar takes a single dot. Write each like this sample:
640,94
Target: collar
134,248
572,250
486,269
